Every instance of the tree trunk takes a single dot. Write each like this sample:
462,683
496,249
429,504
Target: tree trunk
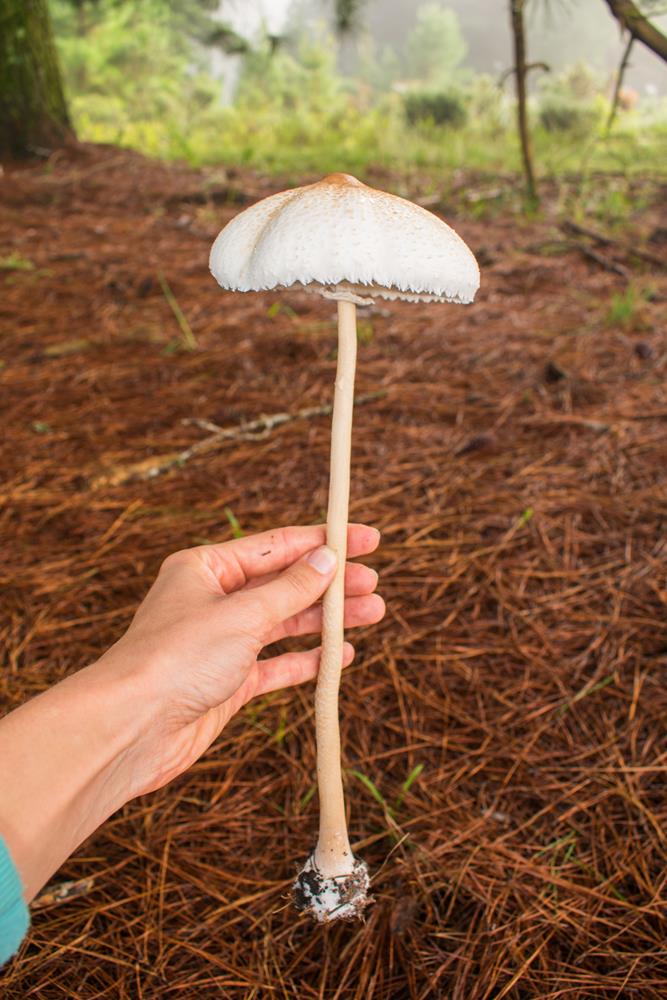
33,111
521,72
631,19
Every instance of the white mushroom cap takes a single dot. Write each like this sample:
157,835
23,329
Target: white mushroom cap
343,238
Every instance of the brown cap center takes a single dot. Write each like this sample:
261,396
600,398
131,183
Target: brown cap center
345,179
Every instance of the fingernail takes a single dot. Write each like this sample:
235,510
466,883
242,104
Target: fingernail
323,560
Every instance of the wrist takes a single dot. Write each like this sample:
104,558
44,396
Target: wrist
66,766
121,682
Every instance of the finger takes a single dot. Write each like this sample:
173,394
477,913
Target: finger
359,579
293,668
294,590
359,611
242,559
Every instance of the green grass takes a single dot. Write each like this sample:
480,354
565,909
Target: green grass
625,309
187,340
562,852
584,692
407,785
304,141
374,791
134,80
16,262
237,530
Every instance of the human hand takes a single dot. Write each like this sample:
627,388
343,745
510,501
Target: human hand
192,649
151,705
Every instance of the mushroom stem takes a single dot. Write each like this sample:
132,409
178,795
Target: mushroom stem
333,884
333,855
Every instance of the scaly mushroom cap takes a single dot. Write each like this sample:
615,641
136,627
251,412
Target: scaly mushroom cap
340,237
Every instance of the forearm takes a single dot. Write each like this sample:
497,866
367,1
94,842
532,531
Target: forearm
65,767
154,702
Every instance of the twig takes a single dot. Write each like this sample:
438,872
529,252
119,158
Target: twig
251,430
608,265
268,422
575,229
203,425
619,83
189,339
63,891
506,74
484,195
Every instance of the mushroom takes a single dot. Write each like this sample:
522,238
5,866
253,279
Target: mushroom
351,243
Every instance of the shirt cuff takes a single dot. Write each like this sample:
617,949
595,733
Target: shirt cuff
14,914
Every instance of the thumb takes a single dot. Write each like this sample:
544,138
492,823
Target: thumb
299,586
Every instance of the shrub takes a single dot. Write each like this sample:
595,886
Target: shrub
560,114
572,102
446,108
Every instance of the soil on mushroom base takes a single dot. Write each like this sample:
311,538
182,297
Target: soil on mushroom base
516,466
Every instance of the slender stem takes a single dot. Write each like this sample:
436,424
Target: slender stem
619,83
333,855
519,38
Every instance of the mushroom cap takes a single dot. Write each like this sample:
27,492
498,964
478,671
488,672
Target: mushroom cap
344,239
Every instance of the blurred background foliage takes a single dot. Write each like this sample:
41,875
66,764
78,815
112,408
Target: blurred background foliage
278,87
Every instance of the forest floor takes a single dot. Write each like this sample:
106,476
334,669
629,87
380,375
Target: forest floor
515,460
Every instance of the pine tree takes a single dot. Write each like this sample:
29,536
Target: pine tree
33,110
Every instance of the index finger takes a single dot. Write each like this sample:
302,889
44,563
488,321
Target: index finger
238,561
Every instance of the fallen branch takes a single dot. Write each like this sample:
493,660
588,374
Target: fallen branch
573,228
251,430
605,262
565,246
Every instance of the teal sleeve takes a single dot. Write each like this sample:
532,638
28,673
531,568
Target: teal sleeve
14,915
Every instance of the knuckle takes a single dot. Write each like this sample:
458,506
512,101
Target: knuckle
181,557
252,641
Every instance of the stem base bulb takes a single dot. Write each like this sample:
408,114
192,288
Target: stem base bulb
328,898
